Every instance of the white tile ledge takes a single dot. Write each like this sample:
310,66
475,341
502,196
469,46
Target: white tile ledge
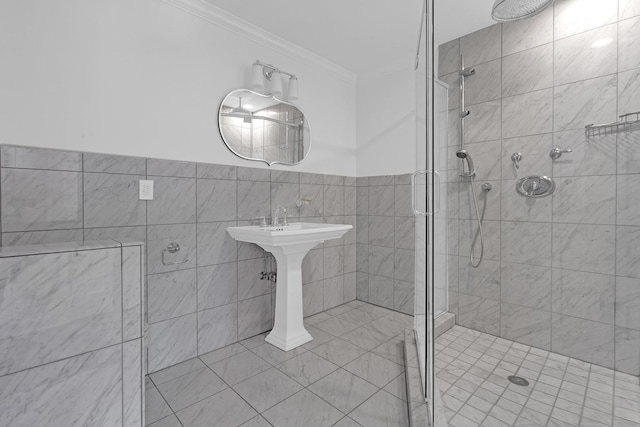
50,248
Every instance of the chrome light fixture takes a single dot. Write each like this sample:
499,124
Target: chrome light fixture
256,78
260,70
276,84
515,10
292,93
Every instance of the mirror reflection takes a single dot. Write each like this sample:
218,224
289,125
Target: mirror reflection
263,128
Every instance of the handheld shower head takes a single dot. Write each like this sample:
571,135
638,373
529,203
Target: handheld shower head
465,156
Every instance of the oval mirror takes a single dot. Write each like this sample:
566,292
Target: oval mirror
263,128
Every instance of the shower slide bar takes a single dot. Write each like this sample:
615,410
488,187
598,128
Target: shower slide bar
463,73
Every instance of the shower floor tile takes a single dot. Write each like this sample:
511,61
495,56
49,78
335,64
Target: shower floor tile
252,383
472,369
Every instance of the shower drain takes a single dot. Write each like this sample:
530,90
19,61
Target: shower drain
518,380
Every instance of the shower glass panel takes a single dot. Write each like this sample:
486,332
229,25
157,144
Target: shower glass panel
440,250
420,208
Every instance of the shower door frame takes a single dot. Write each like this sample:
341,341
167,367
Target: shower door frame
431,206
425,164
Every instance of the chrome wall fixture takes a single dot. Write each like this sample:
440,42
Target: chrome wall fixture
172,248
464,73
629,122
515,10
535,186
273,74
556,152
465,157
516,158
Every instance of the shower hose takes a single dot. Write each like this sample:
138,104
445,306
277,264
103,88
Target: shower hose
480,218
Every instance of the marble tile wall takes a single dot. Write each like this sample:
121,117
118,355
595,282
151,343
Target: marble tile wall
559,273
71,335
385,233
215,297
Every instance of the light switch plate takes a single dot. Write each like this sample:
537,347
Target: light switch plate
146,189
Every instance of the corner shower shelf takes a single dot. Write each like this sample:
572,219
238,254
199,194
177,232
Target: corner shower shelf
627,123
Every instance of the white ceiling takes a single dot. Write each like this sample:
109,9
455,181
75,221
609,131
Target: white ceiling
455,18
359,35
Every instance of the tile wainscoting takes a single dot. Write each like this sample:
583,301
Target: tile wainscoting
216,297
71,334
385,236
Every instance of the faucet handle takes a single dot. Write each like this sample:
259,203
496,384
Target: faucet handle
284,215
263,220
516,158
275,213
556,152
304,201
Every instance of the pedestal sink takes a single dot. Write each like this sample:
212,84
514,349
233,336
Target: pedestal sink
289,244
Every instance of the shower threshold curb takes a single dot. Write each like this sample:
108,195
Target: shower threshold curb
417,405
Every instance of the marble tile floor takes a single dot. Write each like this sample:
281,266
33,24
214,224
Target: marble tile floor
472,369
351,374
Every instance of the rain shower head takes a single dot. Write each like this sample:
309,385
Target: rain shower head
514,10
466,157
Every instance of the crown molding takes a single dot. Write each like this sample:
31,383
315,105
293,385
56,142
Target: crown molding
217,16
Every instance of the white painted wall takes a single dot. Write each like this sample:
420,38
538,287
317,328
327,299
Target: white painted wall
386,112
456,18
145,78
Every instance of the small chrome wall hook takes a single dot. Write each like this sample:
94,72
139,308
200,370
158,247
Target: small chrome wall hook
172,248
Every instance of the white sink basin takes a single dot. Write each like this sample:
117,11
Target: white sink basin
292,234
289,244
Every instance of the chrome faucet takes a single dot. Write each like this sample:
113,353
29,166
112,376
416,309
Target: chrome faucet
275,216
284,215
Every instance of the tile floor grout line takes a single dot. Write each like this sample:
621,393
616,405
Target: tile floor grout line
537,380
387,314
482,343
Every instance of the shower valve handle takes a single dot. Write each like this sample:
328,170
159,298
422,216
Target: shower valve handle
516,158
556,152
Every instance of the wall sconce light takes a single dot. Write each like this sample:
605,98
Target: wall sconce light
276,84
256,78
292,94
260,70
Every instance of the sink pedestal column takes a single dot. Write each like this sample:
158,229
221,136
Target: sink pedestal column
288,329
